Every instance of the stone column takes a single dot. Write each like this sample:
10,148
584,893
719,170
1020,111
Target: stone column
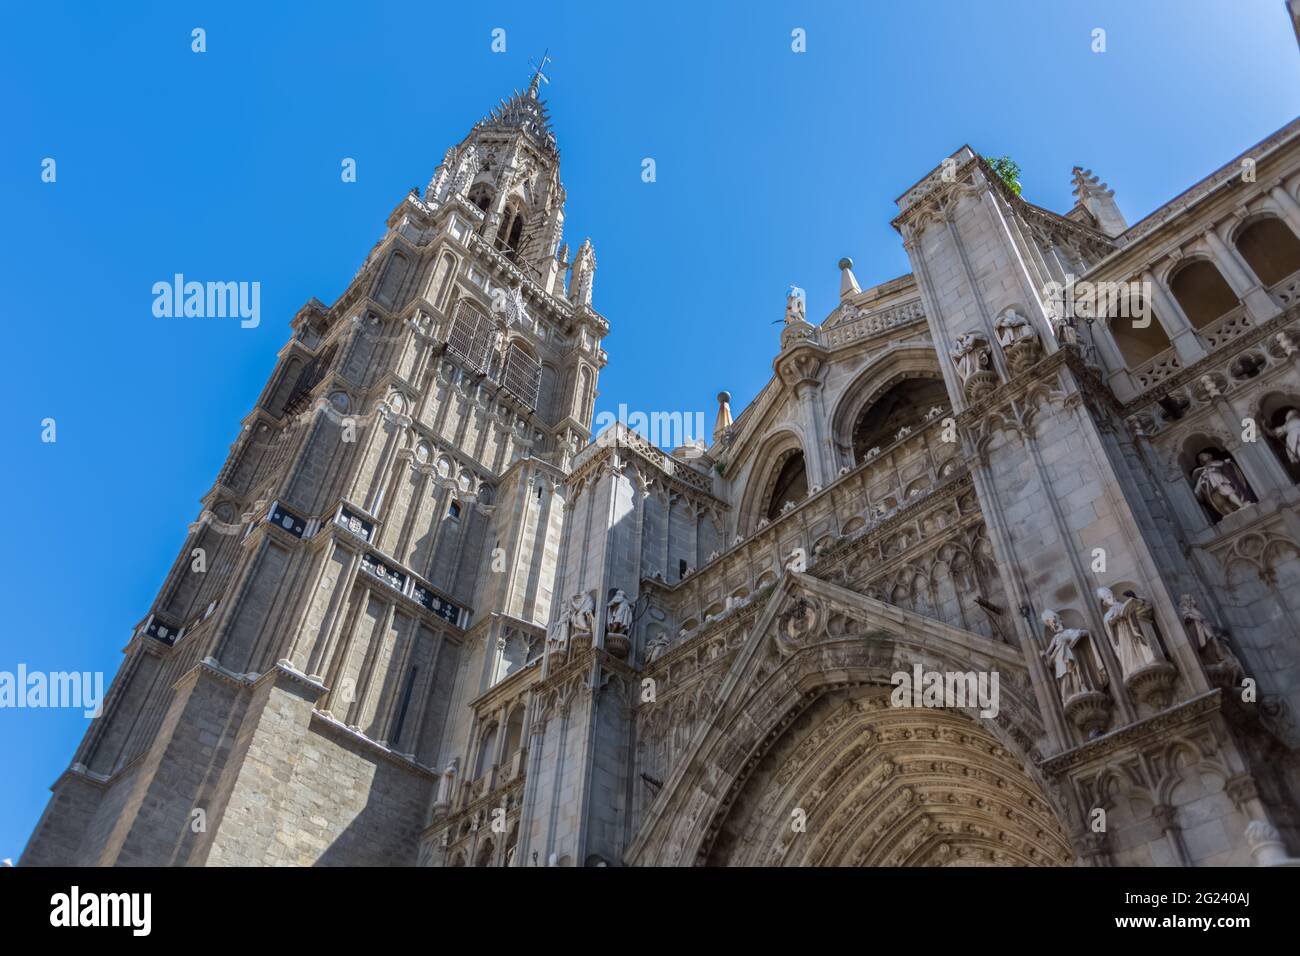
1287,206
1167,817
1174,321
1116,365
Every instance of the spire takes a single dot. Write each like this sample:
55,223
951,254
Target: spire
526,111
724,416
848,281
538,75
1099,200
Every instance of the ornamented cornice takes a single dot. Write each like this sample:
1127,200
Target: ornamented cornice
1137,735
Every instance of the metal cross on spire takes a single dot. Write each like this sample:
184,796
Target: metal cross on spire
538,75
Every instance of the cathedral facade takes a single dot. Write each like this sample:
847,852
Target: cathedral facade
426,617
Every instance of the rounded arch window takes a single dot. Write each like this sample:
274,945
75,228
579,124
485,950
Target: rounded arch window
1139,334
1270,248
1202,292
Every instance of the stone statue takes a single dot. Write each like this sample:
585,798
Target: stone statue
1013,327
655,647
1131,631
618,613
1288,433
974,360
1210,643
1018,339
1065,330
557,635
582,613
970,356
1065,656
795,305
1220,485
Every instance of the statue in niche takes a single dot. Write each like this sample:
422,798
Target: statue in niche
1210,643
656,647
557,635
1018,339
1013,327
618,613
1065,655
968,356
1288,433
1219,484
582,613
1066,332
973,359
1131,628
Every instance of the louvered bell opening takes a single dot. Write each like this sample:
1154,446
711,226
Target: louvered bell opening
523,376
308,379
471,335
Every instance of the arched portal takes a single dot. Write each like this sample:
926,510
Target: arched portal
857,782
806,760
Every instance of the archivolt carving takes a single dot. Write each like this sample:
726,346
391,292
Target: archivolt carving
775,681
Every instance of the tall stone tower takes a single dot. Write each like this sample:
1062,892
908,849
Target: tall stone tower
378,551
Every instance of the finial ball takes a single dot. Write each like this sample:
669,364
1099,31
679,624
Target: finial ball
846,263
724,397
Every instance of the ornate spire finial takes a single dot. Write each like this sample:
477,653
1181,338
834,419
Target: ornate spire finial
1099,199
724,416
848,281
538,75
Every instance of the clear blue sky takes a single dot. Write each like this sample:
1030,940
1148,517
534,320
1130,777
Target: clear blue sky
225,166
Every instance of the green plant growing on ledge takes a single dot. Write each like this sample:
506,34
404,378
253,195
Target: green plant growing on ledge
1008,171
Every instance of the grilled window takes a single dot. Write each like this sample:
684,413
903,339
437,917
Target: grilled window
308,379
523,375
471,335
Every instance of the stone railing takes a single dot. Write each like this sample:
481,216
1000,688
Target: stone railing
619,434
855,324
894,482
1226,328
1156,369
1287,292
480,245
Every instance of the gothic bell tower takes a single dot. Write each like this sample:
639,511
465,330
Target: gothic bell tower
377,553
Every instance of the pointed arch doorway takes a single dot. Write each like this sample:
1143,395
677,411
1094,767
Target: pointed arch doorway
856,782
